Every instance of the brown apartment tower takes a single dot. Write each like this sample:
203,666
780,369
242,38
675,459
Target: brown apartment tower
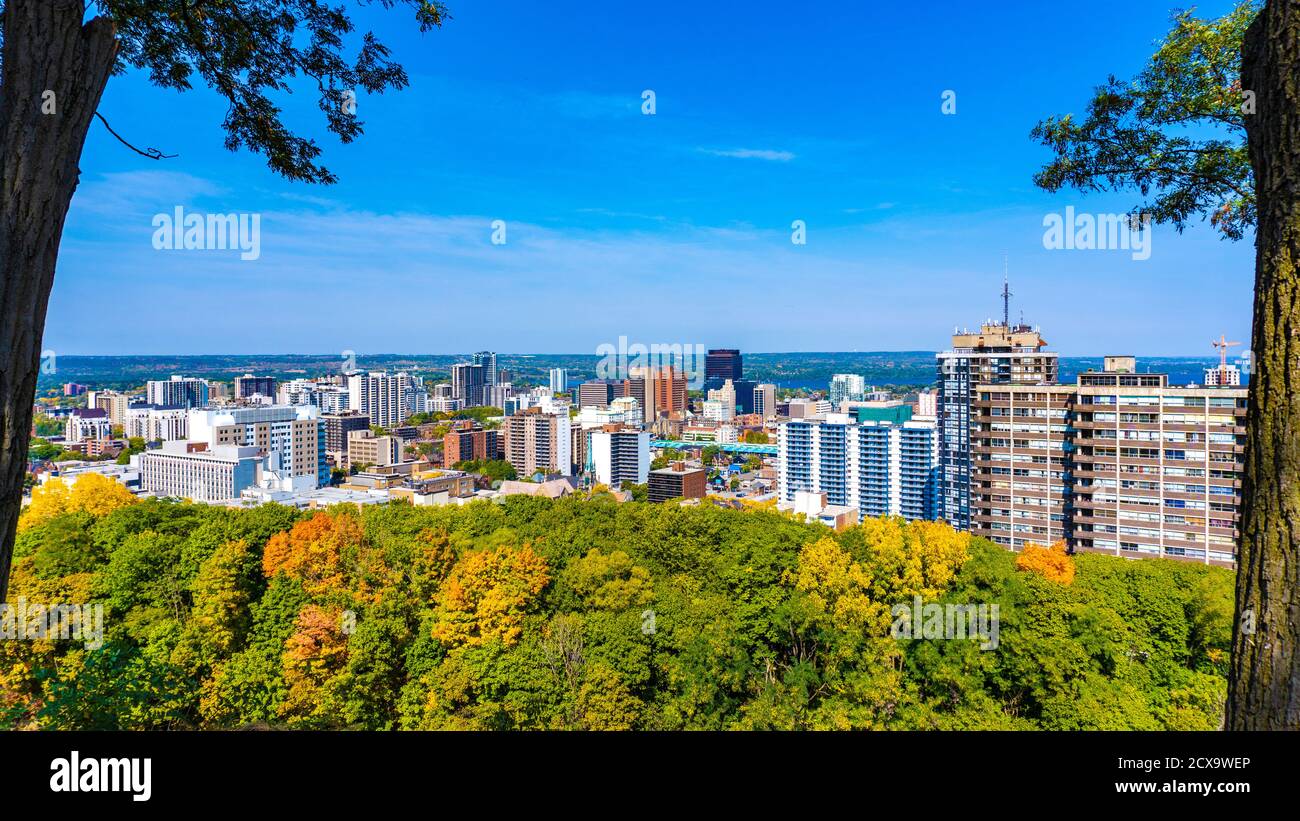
1119,462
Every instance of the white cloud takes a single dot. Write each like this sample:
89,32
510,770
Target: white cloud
750,154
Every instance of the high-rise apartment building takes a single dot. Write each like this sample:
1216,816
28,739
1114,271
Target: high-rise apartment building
337,428
468,441
880,461
86,424
1119,462
157,424
559,380
537,442
179,391
847,387
468,383
115,403
998,354
249,385
381,396
619,456
292,437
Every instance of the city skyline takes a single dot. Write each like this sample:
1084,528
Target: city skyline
675,225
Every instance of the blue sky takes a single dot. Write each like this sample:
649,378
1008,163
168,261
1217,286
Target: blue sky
667,228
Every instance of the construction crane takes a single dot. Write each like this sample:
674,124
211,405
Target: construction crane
1223,345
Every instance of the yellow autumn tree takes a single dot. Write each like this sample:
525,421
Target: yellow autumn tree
1051,563
487,595
908,559
837,585
91,493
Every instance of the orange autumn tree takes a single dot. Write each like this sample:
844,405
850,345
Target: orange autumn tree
314,551
1052,563
487,595
315,652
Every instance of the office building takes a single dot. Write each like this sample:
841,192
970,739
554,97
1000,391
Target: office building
879,461
723,363
998,354
765,399
677,481
365,448
661,391
1119,462
177,392
292,437
200,472
86,424
598,393
619,456
536,442
488,361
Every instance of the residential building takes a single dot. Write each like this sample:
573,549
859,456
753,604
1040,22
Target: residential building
846,387
469,441
154,424
559,380
247,386
619,455
468,381
85,424
1119,462
380,396
115,403
661,391
338,426
179,391
536,442
879,461
998,354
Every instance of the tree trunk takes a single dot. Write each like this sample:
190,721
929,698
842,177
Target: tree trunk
1264,684
47,48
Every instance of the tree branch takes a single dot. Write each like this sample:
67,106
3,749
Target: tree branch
151,153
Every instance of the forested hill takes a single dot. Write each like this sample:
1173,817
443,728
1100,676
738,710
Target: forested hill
577,613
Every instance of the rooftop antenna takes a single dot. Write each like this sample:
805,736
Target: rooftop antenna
1006,294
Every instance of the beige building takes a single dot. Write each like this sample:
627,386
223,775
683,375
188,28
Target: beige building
537,442
365,448
1120,463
